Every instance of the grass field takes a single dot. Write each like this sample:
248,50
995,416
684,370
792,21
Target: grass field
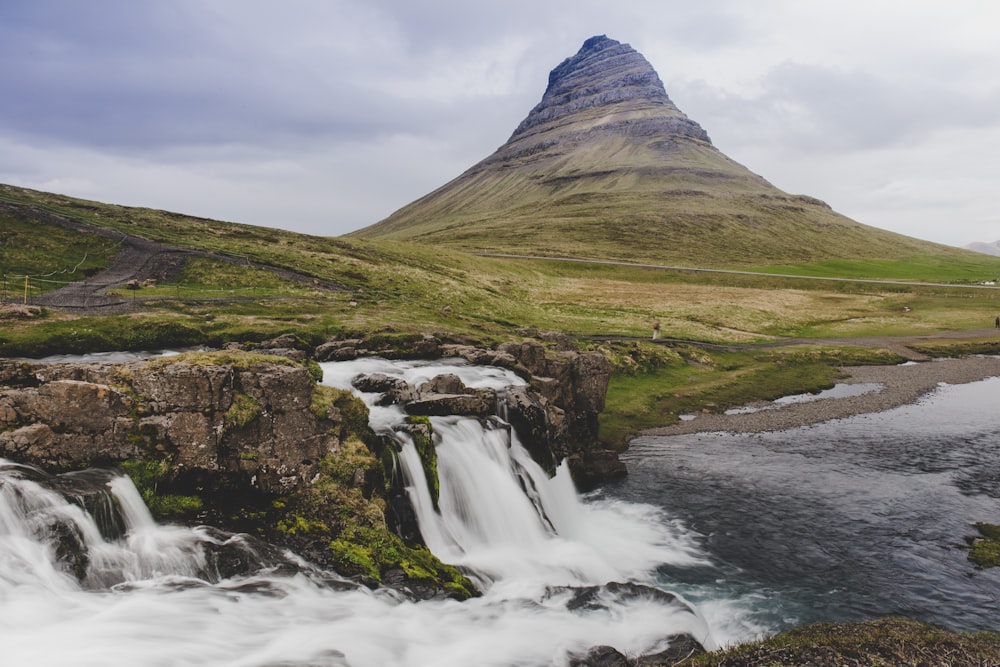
386,287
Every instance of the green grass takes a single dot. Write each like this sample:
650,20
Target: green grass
653,385
967,268
394,293
48,256
985,549
884,642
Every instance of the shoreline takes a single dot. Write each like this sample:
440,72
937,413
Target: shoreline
901,385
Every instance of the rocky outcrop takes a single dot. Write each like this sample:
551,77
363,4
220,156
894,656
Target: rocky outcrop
555,415
679,647
558,415
246,422
614,77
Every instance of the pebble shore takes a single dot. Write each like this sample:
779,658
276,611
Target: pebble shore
900,385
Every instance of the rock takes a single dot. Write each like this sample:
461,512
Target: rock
394,390
17,374
446,383
604,73
573,386
680,648
338,350
524,411
590,598
480,404
79,407
224,425
600,656
592,467
185,387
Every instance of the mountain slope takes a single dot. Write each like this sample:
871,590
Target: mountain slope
985,248
607,166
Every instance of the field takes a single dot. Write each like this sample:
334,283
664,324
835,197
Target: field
719,327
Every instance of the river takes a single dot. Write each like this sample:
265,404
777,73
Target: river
850,519
846,520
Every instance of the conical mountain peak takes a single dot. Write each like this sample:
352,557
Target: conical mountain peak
606,166
604,75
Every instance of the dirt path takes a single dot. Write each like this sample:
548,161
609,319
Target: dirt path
139,260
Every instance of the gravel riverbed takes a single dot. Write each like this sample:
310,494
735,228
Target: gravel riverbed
900,385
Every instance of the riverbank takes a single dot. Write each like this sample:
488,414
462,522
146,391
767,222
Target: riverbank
898,385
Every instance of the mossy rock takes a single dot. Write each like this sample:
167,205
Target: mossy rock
147,475
984,550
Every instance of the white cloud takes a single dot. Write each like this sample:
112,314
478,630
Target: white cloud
325,116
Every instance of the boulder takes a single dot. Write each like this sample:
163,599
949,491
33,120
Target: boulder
394,390
446,383
480,404
226,425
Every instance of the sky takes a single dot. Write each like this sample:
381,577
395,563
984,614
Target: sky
325,116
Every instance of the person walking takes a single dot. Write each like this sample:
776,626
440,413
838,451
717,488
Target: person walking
656,329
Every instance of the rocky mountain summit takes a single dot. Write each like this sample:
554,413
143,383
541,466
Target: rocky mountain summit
607,166
607,77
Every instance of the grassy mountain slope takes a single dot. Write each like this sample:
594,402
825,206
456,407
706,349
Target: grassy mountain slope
394,293
605,166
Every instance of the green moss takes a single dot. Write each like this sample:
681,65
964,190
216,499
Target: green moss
243,410
353,413
424,442
323,398
344,503
985,550
355,559
238,359
148,475
373,551
299,525
315,370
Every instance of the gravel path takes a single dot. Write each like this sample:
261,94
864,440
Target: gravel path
901,385
139,260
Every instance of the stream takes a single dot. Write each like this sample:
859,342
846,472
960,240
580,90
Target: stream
720,537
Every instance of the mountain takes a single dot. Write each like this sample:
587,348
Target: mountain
985,248
607,166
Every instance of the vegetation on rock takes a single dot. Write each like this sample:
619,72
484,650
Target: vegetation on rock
147,475
984,550
344,509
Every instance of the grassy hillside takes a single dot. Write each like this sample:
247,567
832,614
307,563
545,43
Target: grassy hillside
391,291
616,182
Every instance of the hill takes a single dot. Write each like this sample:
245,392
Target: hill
985,248
607,166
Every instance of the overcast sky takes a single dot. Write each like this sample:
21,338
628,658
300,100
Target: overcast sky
324,116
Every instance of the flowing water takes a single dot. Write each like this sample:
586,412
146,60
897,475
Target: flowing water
846,520
753,533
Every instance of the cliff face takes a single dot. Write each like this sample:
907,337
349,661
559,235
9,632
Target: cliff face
608,78
263,449
259,423
221,425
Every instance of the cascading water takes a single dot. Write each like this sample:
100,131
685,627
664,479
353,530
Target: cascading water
78,588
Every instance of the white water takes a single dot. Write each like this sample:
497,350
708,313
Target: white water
149,598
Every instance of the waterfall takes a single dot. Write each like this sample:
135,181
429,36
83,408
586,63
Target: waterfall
499,514
500,517
87,577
